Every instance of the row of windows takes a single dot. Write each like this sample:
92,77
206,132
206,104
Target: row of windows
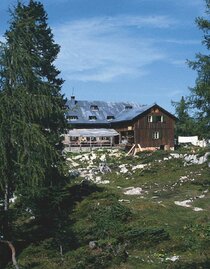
95,107
155,118
150,118
91,118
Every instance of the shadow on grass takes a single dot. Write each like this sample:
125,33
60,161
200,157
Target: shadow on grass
51,220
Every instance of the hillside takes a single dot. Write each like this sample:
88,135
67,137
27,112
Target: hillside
145,211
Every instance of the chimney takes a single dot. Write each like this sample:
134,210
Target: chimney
73,101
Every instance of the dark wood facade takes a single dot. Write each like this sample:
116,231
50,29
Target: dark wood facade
152,129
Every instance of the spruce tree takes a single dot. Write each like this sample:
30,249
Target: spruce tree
185,126
31,110
200,94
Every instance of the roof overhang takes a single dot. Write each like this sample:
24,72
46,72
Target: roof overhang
100,132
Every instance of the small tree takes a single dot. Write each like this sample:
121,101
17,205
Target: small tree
185,124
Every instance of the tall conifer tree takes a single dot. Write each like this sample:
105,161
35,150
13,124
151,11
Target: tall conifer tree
31,107
200,94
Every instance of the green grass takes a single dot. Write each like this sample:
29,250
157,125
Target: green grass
135,231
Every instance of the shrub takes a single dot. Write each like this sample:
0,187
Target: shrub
146,237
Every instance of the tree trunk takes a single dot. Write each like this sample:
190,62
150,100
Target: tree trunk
6,230
11,246
5,215
6,198
61,251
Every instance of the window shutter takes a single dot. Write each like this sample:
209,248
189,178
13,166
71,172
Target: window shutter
164,118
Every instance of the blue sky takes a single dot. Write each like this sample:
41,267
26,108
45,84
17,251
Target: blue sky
124,50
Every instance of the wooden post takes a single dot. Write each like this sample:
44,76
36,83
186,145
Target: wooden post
70,143
100,142
140,147
131,150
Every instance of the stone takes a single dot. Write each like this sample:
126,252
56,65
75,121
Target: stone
92,244
133,191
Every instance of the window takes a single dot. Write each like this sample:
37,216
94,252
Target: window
158,118
128,107
94,107
156,135
150,118
110,117
72,118
155,118
92,118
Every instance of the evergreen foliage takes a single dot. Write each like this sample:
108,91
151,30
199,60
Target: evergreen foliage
200,94
31,113
185,125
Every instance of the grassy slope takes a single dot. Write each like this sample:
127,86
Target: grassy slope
136,231
189,231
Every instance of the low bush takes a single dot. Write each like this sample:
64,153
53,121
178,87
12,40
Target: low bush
146,237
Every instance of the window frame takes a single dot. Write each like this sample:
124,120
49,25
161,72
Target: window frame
159,118
94,108
72,117
128,107
156,135
155,118
150,118
92,118
110,117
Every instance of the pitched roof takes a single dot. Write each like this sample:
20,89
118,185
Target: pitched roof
100,112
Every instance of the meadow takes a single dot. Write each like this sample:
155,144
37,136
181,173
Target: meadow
145,211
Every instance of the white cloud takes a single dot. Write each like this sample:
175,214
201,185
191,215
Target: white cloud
102,49
192,3
183,42
181,63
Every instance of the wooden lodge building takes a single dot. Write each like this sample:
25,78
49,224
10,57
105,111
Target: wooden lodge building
99,123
